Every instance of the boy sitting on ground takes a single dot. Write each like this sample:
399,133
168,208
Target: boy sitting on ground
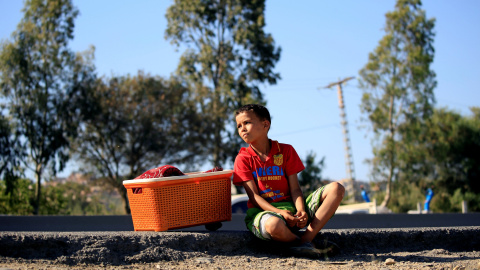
268,172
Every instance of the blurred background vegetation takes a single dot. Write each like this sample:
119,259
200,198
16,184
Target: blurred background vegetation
55,108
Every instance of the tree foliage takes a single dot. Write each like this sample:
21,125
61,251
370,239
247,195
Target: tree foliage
68,198
11,154
443,152
398,83
16,197
227,56
310,179
137,123
38,74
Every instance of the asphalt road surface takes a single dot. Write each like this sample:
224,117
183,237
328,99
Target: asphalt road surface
339,221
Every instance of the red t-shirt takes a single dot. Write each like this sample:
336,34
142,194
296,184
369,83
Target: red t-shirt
270,176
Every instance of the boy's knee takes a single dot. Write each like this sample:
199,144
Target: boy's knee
337,189
275,226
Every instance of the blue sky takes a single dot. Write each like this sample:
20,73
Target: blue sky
321,41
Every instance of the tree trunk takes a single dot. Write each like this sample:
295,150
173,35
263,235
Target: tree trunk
217,146
123,193
388,190
217,143
391,147
38,189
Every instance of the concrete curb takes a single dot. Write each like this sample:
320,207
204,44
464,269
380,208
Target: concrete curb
120,248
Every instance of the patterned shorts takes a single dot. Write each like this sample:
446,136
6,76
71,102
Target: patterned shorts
256,218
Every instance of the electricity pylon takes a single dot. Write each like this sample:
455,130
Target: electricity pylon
350,187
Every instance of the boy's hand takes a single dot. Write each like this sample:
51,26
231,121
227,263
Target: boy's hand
302,219
289,218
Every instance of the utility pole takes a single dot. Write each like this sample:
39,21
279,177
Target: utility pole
350,184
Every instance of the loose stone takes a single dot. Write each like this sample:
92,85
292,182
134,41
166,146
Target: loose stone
389,261
204,260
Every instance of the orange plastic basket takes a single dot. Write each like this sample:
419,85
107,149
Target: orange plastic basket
193,199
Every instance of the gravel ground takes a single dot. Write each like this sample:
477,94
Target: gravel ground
419,248
431,259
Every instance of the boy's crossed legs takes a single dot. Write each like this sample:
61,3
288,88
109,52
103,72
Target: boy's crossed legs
331,197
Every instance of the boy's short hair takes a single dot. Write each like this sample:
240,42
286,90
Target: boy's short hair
260,111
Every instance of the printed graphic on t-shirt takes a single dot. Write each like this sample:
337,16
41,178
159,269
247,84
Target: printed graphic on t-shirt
278,159
270,184
272,173
270,195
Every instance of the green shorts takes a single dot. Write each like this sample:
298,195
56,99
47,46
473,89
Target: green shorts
254,215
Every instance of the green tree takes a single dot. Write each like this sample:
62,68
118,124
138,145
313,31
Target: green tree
311,178
76,198
398,83
11,154
16,198
37,72
406,195
138,123
228,55
443,152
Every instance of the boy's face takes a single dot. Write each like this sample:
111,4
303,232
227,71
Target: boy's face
251,128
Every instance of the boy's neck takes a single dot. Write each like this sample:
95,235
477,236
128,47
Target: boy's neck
262,149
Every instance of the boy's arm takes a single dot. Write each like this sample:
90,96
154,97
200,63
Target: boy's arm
297,198
261,203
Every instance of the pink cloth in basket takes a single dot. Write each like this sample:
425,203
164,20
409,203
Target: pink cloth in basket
216,169
162,171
